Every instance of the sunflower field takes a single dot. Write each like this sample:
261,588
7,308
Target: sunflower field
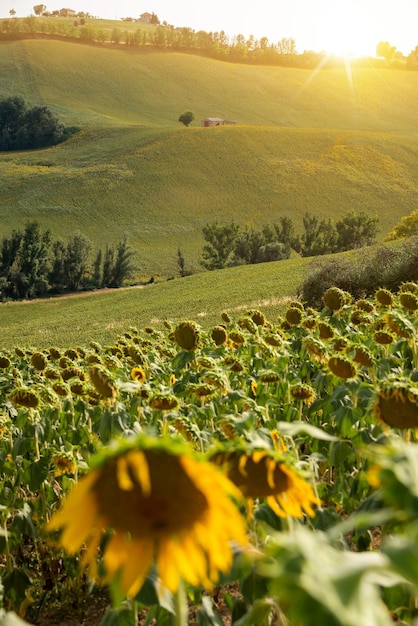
261,472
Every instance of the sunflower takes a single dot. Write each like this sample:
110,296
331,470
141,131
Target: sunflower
138,374
397,405
342,366
153,501
261,474
64,464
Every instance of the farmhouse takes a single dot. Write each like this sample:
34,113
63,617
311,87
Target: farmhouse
216,121
145,18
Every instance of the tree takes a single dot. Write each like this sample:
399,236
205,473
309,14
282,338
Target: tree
186,118
181,264
39,9
12,12
76,260
385,50
356,230
220,244
406,227
320,236
123,266
22,128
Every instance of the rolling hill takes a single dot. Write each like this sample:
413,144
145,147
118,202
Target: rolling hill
325,142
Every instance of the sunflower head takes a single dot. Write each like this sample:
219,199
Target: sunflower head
38,361
304,392
409,286
64,464
274,338
261,474
294,315
326,331
219,335
102,383
161,504
383,337
409,300
236,337
364,305
164,402
342,367
334,298
4,362
258,317
268,376
359,317
363,356
247,323
138,374
186,335
384,297
25,397
397,405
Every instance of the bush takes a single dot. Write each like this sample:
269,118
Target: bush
23,128
361,275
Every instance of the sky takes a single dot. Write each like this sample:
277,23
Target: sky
336,26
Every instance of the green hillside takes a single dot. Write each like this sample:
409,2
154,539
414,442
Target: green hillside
325,142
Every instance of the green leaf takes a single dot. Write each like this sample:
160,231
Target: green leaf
120,616
208,615
15,585
295,428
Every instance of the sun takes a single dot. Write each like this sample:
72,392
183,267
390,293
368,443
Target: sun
346,29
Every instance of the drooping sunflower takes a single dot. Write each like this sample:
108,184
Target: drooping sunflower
262,474
397,405
155,502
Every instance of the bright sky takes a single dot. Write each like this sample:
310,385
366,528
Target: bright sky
339,26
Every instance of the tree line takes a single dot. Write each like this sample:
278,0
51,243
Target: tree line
229,245
239,49
33,265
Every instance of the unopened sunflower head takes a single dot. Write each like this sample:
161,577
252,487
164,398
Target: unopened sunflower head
246,323
397,404
186,335
161,504
261,474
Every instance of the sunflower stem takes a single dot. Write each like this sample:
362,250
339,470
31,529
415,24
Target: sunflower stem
180,617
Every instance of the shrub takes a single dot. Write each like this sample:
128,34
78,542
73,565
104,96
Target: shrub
362,275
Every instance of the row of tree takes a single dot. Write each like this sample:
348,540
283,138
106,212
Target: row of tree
24,128
34,265
229,245
214,44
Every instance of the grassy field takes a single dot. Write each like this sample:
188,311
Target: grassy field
104,316
304,142
325,142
